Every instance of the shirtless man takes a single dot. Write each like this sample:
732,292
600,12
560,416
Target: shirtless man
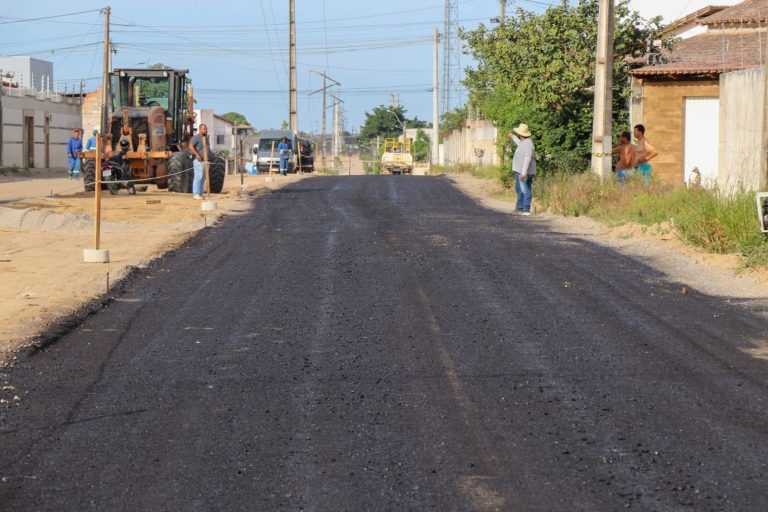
644,152
626,153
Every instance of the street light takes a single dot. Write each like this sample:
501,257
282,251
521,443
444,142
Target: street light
401,123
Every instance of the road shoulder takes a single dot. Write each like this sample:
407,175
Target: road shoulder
712,274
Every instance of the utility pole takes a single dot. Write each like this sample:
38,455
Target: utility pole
293,116
2,77
435,105
601,123
502,10
324,91
336,146
104,86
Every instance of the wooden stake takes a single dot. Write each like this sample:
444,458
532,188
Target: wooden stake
97,195
271,158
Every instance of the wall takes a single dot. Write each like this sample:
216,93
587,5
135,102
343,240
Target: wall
459,145
63,115
742,116
91,111
663,116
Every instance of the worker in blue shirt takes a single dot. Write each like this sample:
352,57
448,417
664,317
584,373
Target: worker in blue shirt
284,150
74,151
91,144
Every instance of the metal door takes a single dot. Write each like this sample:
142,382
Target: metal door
29,142
702,138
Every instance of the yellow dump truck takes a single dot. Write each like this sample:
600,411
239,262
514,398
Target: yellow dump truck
397,157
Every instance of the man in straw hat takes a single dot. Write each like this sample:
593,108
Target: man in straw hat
524,167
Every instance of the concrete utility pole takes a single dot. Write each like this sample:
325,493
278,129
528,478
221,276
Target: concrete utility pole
435,157
293,116
336,145
324,91
603,114
502,10
105,85
2,77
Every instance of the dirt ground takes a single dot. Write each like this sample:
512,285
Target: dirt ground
47,220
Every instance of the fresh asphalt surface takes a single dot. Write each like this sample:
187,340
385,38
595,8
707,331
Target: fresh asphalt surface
385,343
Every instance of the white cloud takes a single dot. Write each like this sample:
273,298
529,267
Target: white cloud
671,10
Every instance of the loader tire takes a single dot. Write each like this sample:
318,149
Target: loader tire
89,175
216,173
178,180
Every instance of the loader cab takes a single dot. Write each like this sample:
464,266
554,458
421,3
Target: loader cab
141,90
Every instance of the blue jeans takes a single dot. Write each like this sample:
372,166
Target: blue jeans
198,180
524,191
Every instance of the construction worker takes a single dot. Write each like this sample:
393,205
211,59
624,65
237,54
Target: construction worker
74,152
284,150
90,145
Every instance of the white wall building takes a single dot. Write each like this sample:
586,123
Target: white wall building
220,131
29,73
36,127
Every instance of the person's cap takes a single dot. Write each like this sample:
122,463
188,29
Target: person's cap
522,130
95,130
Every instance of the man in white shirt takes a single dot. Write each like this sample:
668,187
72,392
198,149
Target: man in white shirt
524,167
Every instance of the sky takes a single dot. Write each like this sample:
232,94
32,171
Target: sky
237,50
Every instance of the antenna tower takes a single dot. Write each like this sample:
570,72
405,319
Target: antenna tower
451,56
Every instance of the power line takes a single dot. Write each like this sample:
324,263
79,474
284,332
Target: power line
27,20
269,46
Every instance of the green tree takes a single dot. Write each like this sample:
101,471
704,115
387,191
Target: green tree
539,69
235,118
421,146
453,120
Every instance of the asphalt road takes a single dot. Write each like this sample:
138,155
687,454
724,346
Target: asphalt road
384,343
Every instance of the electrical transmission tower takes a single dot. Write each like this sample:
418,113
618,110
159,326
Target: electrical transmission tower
451,57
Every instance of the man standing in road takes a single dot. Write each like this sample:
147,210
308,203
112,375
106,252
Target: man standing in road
200,148
524,167
74,151
644,152
284,150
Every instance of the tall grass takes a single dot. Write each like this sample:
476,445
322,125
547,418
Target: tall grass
487,172
706,218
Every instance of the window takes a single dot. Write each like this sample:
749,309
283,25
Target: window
220,140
